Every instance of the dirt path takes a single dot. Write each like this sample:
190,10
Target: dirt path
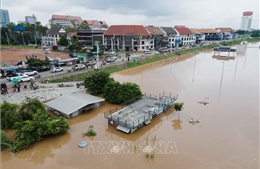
12,55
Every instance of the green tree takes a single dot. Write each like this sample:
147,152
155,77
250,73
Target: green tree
95,82
84,25
255,33
63,41
120,93
33,61
29,107
5,141
9,115
178,107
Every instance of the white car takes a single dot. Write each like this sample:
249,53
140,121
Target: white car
30,73
79,67
56,69
147,51
26,78
18,75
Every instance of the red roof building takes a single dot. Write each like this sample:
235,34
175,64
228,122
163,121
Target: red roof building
247,13
128,38
185,36
95,24
183,30
65,20
153,30
127,30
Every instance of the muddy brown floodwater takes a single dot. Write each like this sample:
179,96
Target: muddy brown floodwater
226,137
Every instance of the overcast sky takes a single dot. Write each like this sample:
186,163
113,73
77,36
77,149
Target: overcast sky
192,13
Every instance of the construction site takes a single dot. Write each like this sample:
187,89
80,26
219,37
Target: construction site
140,112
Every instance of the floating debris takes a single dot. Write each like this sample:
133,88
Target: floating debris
83,144
194,121
203,102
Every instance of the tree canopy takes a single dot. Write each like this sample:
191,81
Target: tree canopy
96,82
120,93
31,121
63,41
178,106
33,61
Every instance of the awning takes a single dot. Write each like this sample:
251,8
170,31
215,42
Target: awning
123,129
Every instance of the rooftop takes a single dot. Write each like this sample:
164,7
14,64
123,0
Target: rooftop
127,30
183,30
154,30
70,103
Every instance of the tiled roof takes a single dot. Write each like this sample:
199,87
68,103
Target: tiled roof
154,30
103,22
54,30
200,31
183,30
226,30
195,31
247,13
59,17
168,30
91,22
77,18
65,17
127,30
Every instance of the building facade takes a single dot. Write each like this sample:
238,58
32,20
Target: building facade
127,38
5,20
53,36
31,19
91,36
160,38
246,20
186,37
226,33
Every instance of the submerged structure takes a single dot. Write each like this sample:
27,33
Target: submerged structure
71,105
140,112
225,49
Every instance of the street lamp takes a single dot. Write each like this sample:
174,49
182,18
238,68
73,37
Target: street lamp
221,79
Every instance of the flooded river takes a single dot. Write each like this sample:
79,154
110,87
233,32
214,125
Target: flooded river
226,137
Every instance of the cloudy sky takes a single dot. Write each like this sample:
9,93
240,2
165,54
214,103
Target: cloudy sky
192,13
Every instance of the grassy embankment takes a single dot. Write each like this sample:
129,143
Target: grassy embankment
116,68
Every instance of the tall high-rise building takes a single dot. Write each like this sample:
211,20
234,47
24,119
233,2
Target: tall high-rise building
4,18
246,20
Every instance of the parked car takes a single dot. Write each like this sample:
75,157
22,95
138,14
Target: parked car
147,51
26,78
56,69
79,67
73,54
13,75
29,72
47,51
164,49
111,58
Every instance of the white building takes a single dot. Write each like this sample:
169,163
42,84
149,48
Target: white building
246,20
31,19
53,36
65,20
185,36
